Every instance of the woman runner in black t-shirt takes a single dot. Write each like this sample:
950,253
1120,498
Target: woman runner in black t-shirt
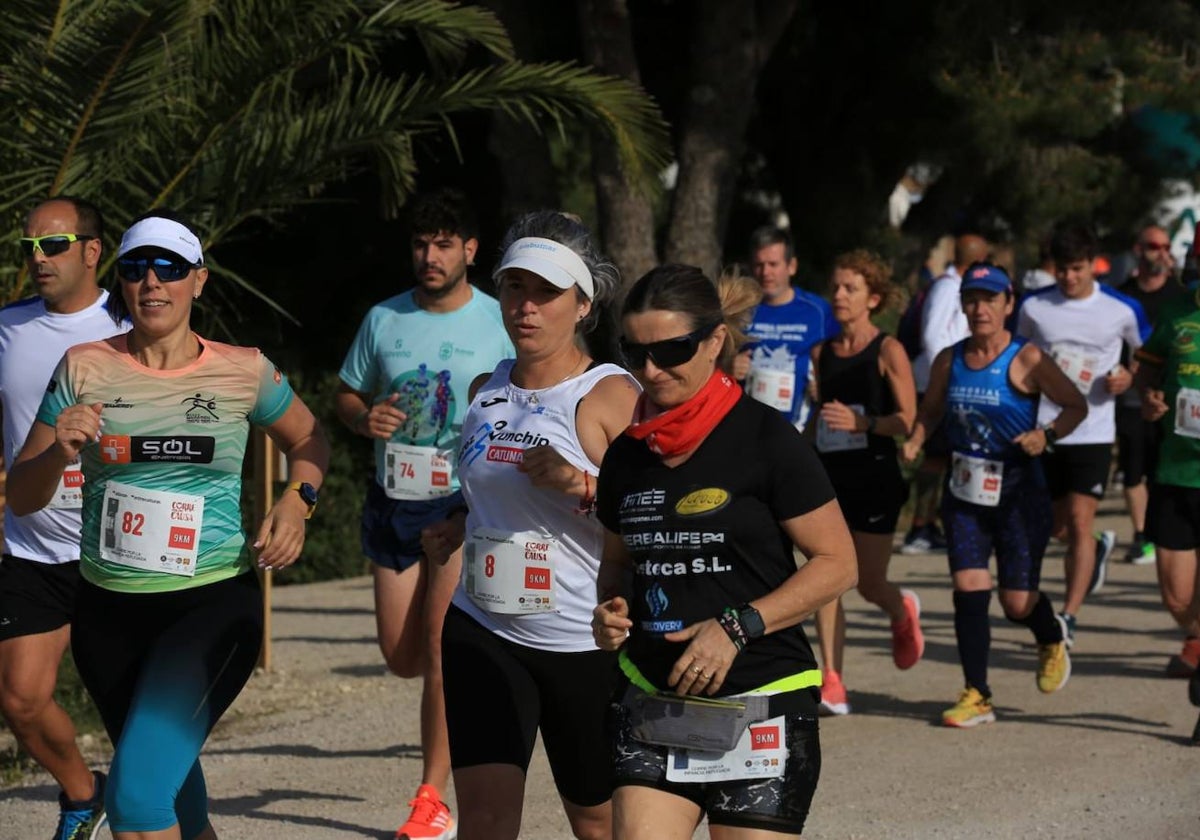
704,497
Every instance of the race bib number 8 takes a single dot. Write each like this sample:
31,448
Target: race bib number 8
511,574
150,529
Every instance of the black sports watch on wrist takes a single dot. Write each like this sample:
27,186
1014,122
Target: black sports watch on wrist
752,622
1051,435
308,495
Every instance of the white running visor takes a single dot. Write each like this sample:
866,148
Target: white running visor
550,260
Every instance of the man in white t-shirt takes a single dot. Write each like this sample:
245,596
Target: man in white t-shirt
40,570
1082,325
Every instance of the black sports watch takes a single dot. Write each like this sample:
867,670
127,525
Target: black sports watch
752,622
308,495
1051,435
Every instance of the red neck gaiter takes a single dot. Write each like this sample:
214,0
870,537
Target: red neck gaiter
682,428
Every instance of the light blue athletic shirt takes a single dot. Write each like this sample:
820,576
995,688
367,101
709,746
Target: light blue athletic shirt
784,335
984,412
429,359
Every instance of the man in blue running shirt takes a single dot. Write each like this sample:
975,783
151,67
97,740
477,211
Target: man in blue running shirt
786,326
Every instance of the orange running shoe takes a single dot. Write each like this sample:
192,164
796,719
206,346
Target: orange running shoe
430,818
833,695
908,642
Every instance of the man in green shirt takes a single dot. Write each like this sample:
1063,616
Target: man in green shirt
1169,377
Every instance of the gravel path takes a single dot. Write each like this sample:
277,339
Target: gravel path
326,746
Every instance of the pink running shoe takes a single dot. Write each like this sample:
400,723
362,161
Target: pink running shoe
908,642
833,695
430,818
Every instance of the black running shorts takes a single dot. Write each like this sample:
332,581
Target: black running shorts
35,597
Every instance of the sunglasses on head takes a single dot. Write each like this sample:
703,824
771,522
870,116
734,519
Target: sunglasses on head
52,244
167,269
1155,246
670,352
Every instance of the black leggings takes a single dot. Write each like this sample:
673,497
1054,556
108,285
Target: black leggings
499,694
162,668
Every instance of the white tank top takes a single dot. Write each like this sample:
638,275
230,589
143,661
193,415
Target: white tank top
501,423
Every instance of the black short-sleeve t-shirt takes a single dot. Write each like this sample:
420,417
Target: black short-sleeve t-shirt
705,535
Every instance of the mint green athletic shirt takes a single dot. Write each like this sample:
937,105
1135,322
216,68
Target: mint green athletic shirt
429,359
180,431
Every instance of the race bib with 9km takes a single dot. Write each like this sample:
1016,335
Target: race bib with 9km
511,574
976,480
775,388
151,529
69,493
1187,412
1079,367
839,440
760,754
415,473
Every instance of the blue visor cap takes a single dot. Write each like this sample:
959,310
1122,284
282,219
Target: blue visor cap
987,277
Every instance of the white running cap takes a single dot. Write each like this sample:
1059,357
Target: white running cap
550,260
157,232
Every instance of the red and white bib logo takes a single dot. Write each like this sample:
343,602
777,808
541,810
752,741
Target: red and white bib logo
182,539
536,578
764,737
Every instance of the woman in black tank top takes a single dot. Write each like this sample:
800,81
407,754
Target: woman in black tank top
864,387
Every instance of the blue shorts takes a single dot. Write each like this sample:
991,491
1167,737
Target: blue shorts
391,528
1018,529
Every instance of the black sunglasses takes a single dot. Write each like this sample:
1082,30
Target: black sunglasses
670,352
52,245
134,269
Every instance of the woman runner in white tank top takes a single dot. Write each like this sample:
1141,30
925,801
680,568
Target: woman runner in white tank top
518,656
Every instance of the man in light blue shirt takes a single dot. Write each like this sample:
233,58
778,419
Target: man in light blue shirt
404,385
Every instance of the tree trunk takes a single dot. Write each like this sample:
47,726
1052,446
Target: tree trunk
730,45
626,216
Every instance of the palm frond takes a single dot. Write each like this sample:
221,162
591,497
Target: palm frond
245,109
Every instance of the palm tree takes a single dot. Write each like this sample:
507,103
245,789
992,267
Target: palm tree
236,110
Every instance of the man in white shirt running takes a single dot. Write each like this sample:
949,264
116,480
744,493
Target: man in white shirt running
40,570
1082,325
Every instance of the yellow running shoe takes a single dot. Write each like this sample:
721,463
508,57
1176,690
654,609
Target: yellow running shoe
971,709
1054,667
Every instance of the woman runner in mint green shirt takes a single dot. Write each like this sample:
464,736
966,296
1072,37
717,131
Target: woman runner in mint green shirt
169,619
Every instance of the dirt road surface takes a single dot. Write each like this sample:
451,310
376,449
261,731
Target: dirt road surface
326,745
